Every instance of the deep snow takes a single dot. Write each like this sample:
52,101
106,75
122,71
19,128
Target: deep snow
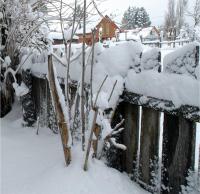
34,164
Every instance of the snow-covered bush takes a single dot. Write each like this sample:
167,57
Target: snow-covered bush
183,61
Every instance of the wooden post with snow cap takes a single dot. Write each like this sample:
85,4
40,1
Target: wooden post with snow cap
61,118
130,134
178,133
149,138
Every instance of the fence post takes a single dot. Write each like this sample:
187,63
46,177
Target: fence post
149,143
127,160
178,152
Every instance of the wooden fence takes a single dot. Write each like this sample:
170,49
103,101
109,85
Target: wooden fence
141,136
160,44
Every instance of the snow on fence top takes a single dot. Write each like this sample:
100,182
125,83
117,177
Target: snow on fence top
181,90
135,70
183,61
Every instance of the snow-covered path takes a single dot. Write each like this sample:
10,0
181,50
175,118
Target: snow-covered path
34,164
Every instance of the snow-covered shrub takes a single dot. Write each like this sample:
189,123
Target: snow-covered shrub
183,61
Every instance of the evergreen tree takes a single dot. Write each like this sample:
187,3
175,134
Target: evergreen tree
142,18
135,17
128,20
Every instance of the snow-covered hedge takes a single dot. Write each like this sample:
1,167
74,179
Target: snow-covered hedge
134,68
183,61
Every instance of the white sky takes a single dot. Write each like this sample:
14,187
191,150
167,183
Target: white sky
155,8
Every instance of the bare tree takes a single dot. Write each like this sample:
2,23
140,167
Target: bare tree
194,13
170,19
180,12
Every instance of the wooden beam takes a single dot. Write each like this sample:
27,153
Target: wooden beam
189,112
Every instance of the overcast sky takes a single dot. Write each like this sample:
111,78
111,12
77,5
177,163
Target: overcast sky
155,8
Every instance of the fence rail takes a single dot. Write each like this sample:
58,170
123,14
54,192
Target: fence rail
171,43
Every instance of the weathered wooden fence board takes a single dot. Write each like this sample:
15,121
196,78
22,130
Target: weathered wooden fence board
178,152
149,146
130,137
127,160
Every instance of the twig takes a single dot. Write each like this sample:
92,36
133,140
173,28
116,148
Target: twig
92,64
99,90
38,126
112,91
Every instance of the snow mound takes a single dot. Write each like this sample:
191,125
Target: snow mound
181,90
35,164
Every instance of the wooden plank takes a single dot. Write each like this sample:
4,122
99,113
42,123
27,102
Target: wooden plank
129,137
178,152
149,145
189,112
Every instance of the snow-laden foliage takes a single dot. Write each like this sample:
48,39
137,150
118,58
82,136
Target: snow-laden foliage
135,17
183,61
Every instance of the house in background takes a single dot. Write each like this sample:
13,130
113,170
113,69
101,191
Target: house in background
129,35
57,38
149,34
140,34
105,29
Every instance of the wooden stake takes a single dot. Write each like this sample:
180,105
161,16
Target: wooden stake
61,120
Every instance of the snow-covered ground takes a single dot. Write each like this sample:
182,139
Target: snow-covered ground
34,164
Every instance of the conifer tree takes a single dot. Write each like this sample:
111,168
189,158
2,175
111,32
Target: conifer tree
135,17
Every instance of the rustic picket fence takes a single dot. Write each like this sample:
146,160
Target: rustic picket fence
143,126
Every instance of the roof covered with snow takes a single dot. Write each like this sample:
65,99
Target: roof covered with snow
59,35
146,31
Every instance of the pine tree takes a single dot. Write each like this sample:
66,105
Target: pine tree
128,21
142,18
135,17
